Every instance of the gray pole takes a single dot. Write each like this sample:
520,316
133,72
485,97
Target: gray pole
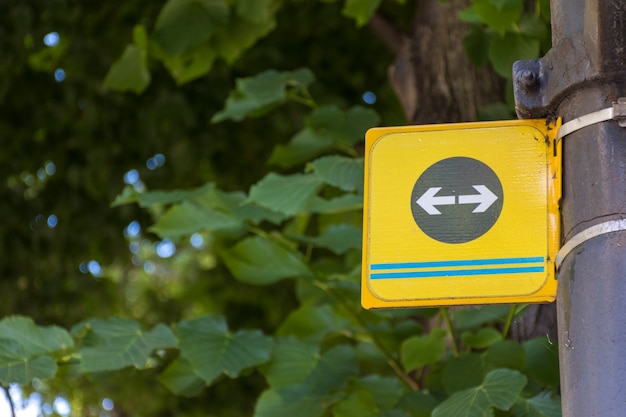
584,72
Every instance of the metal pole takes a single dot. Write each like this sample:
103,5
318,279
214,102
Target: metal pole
583,73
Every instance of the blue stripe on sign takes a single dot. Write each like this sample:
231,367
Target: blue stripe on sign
467,262
457,272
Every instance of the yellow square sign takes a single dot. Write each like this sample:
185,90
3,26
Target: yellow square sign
461,214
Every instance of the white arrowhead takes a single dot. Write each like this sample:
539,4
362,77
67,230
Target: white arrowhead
428,200
484,199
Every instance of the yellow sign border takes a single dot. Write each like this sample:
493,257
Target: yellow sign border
547,292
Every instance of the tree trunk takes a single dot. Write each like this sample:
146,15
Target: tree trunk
437,83
440,84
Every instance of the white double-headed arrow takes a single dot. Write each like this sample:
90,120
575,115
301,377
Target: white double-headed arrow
485,198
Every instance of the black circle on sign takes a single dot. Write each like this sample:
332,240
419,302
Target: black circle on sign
457,200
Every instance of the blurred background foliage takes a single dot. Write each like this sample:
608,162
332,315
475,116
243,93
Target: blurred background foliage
120,103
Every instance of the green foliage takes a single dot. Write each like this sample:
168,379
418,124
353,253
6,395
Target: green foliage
118,343
361,10
257,95
418,351
326,357
130,72
212,350
277,202
189,36
502,32
257,260
27,351
500,389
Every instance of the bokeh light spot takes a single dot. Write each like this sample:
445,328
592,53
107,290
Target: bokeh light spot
51,39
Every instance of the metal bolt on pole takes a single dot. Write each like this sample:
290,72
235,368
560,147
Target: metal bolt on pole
583,73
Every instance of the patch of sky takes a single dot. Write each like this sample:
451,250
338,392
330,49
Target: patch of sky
196,240
107,404
94,268
51,39
165,248
131,177
50,168
62,406
24,407
156,161
59,75
369,97
52,221
149,267
133,229
134,247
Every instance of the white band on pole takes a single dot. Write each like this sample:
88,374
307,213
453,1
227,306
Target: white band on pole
587,234
584,121
616,112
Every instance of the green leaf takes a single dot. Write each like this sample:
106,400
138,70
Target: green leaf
333,369
542,361
472,317
296,400
17,366
212,350
417,403
360,10
498,14
189,65
485,337
151,198
183,25
418,351
543,8
33,339
303,147
359,403
534,26
476,44
122,343
256,10
339,171
239,35
289,194
292,362
248,212
504,51
506,354
259,261
312,323
310,398
345,127
542,405
469,15
346,202
188,217
495,111
127,196
500,389
140,37
385,391
179,377
254,96
463,371
130,72
339,238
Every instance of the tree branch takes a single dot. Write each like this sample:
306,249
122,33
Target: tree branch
387,32
9,399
